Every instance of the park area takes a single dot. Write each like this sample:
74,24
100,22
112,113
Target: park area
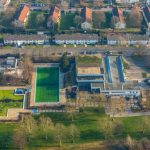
9,100
92,123
67,21
47,84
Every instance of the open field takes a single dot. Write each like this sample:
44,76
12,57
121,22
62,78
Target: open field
67,21
9,100
47,84
9,94
87,123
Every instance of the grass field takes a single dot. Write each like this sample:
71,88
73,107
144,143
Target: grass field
47,84
32,22
67,21
14,101
9,94
87,123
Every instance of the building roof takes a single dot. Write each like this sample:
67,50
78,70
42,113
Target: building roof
127,37
55,13
146,11
118,12
86,14
24,12
25,37
89,70
115,36
76,36
4,1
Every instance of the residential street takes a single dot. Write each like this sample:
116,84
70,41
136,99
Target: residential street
45,51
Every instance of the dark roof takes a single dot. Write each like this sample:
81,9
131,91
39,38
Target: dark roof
25,37
76,36
146,12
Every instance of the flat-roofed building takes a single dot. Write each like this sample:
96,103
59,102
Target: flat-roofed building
79,39
89,76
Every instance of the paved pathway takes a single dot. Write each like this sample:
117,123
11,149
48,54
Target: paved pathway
131,114
13,114
11,87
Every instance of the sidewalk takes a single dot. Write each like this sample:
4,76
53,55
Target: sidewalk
13,114
131,114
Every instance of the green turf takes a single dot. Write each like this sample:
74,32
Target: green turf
9,94
47,84
67,21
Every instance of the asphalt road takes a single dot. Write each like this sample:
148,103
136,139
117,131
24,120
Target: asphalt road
46,51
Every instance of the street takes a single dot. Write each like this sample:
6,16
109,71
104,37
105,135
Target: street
46,51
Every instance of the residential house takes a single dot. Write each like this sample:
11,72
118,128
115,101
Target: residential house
146,14
25,39
4,4
79,39
8,63
23,16
86,14
118,18
55,15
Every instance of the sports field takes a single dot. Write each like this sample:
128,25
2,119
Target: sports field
47,84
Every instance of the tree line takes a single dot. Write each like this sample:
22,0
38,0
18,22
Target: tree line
43,128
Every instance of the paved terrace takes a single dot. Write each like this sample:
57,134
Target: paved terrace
13,114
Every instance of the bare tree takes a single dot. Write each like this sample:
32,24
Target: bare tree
46,126
64,5
78,21
30,126
130,142
40,18
28,68
134,19
73,132
98,19
60,133
19,139
107,126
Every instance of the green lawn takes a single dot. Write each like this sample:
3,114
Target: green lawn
47,84
32,20
67,21
9,100
9,94
5,106
88,60
86,121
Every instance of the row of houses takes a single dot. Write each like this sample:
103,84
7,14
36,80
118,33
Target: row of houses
127,39
77,39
